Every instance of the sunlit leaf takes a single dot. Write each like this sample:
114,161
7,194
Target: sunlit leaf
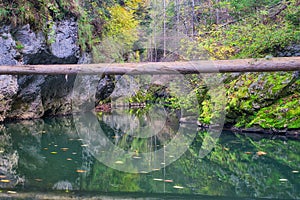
5,181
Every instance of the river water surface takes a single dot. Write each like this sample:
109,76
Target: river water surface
55,157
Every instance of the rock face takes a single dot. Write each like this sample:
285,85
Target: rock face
8,91
291,50
34,96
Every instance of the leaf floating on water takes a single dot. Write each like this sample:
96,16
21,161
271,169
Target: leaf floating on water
69,159
11,192
80,171
74,153
283,180
168,181
38,180
84,145
53,152
178,187
248,152
171,156
64,149
1,151
261,153
143,172
136,157
158,179
295,172
5,181
56,145
45,149
226,149
2,176
156,169
119,162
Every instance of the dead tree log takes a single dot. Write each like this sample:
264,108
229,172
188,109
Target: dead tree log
219,66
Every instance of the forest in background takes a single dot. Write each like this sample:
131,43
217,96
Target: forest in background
224,29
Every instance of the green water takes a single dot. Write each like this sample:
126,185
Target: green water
43,156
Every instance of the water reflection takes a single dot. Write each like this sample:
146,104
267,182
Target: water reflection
129,152
50,154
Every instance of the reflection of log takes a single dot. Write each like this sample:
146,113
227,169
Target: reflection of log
241,65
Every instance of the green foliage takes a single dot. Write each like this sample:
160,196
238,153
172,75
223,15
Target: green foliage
245,7
257,35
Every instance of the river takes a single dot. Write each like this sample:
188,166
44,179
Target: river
63,156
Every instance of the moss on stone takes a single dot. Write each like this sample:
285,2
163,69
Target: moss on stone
285,113
269,100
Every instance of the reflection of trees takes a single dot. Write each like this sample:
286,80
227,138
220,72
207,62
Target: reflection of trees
232,169
235,167
128,130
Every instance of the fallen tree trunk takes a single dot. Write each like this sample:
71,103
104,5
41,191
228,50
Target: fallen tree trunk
219,66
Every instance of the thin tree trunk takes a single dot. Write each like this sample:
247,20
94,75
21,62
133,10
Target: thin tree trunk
193,18
165,46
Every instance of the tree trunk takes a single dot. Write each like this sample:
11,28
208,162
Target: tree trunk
220,66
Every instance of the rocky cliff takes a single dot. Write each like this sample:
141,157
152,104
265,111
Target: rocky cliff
24,97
